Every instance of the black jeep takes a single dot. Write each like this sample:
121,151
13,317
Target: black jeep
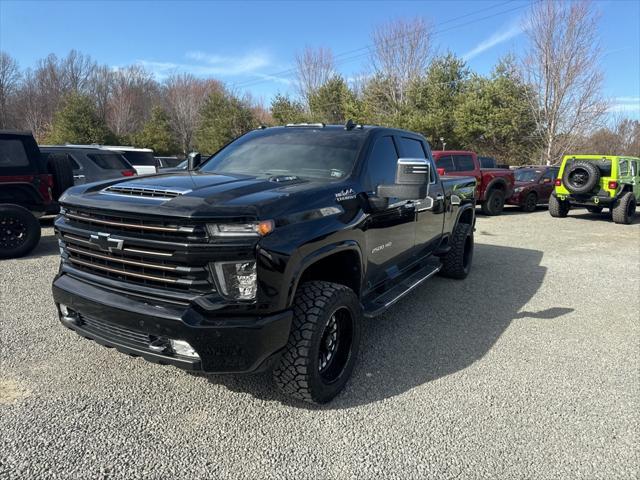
267,255
30,184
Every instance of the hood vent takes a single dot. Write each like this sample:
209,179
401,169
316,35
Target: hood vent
158,193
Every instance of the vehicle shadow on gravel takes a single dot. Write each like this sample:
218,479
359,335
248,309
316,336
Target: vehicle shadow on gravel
439,329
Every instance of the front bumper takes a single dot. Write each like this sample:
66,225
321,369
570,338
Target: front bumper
131,325
517,198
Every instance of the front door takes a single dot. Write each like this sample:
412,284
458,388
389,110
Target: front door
390,233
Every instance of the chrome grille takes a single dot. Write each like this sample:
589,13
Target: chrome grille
149,227
155,264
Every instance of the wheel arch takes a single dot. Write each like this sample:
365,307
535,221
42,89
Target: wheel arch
337,263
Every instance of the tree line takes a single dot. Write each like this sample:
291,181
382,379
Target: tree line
527,110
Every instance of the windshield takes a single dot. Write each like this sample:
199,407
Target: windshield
140,158
526,175
327,154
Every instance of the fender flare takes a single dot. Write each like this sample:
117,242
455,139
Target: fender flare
494,183
26,188
461,210
316,256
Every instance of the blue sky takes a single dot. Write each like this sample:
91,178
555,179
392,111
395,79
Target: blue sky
249,45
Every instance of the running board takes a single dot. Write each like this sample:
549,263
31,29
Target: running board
378,305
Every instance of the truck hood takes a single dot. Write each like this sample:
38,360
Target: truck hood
204,195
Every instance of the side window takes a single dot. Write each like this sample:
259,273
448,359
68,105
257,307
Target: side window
381,167
12,154
445,162
623,168
463,163
550,174
634,168
74,164
412,148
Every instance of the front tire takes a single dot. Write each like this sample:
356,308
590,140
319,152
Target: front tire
19,231
493,203
457,262
558,208
530,203
624,211
323,344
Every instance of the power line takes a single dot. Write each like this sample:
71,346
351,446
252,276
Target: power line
349,55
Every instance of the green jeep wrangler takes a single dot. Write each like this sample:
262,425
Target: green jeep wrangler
595,182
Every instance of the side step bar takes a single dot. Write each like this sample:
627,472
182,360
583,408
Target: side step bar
377,305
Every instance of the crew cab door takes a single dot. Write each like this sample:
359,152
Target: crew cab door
389,232
430,210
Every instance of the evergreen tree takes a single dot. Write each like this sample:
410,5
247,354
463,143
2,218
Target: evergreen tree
157,134
285,110
223,118
334,102
78,122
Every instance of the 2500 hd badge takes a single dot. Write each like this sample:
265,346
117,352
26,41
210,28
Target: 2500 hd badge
221,269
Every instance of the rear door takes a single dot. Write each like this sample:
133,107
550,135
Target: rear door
390,233
430,210
635,176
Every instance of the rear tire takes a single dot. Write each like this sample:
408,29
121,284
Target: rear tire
558,208
62,171
594,209
19,231
457,262
323,343
493,203
530,203
624,211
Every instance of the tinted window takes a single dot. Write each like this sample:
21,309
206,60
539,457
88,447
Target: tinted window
108,161
526,175
634,168
381,166
412,148
445,162
328,154
463,163
140,158
74,165
551,173
12,154
487,162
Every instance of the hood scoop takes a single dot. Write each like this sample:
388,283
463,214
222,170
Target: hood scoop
156,192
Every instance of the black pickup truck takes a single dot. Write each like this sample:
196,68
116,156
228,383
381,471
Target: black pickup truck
265,256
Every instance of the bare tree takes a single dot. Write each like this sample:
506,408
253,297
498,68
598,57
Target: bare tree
562,66
314,68
400,54
184,96
133,94
76,71
9,80
33,113
101,88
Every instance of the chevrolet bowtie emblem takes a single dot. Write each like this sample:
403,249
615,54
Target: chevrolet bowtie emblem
105,242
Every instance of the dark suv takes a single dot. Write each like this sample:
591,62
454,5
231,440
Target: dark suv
30,184
534,185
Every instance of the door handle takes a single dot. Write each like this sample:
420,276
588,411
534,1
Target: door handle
78,177
439,197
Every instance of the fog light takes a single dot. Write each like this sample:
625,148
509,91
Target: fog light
180,347
237,280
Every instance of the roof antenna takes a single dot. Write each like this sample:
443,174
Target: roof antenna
349,125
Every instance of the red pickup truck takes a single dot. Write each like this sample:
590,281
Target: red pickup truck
494,185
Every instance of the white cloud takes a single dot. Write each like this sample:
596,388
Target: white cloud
625,104
205,64
497,38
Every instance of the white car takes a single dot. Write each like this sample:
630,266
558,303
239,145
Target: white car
142,159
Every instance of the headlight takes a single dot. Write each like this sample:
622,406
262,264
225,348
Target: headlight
518,189
237,280
251,229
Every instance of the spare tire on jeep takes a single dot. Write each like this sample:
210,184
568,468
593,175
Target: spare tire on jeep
61,169
581,177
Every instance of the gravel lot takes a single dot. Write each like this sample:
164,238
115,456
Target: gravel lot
528,369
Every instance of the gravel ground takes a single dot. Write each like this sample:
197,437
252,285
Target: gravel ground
528,369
